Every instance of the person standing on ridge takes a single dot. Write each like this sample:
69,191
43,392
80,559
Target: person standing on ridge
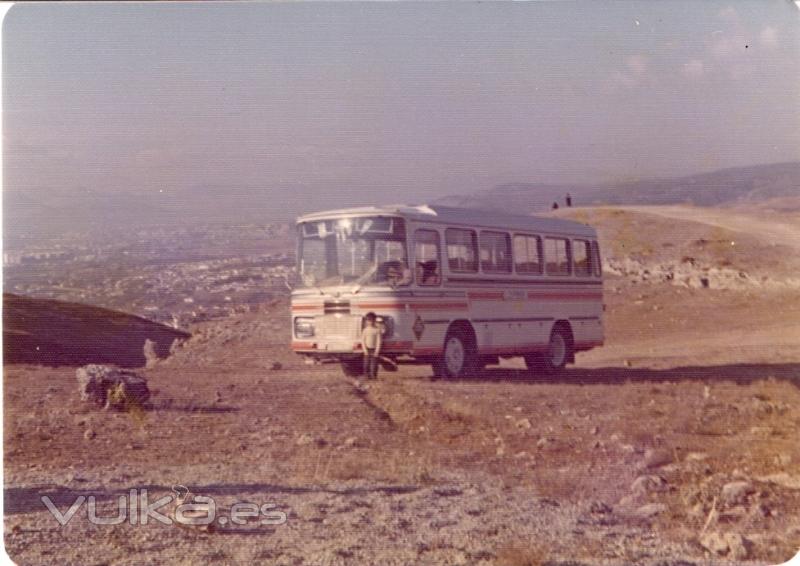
569,200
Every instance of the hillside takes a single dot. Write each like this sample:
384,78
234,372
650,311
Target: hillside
55,333
723,187
674,444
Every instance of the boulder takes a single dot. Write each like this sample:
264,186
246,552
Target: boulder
648,511
150,354
111,388
736,492
730,545
656,457
648,483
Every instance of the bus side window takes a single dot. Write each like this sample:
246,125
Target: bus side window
597,266
495,252
462,250
528,254
426,257
581,256
556,253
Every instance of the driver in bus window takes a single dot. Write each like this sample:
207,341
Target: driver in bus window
395,271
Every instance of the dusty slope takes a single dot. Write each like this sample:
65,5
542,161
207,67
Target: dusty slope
770,230
57,333
504,468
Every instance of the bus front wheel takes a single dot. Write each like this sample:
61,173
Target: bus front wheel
458,359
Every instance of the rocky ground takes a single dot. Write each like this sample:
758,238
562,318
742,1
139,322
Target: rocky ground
676,443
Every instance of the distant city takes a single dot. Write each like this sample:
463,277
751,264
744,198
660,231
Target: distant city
172,276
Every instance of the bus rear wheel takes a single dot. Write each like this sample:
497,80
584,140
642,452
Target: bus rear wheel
459,358
555,357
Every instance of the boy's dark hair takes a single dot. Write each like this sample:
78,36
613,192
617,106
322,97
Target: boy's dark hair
370,316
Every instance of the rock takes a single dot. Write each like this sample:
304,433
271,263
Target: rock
448,491
351,442
599,508
730,545
176,345
149,351
111,388
276,366
736,492
89,434
762,431
648,483
783,459
649,510
304,440
782,479
524,423
656,457
696,456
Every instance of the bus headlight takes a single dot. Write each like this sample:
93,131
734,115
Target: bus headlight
304,327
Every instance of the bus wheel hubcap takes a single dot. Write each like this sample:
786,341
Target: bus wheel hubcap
558,350
454,356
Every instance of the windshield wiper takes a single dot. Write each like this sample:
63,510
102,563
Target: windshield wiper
364,278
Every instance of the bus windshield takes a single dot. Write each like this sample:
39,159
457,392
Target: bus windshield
359,250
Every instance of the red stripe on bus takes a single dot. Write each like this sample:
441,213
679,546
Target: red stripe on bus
572,296
413,306
439,306
486,296
306,307
304,345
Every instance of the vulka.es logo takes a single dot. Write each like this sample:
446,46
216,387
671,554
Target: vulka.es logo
181,508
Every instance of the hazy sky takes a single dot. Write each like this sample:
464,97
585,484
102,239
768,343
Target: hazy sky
392,101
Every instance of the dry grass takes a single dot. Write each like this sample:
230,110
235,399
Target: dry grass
522,554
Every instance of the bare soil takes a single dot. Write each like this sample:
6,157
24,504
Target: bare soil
695,389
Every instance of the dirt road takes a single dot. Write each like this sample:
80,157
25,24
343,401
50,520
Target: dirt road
771,231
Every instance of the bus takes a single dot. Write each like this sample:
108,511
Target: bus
455,288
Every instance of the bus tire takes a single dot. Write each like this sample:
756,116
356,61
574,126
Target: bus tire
353,368
558,353
459,356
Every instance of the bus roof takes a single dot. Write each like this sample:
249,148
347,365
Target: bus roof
463,216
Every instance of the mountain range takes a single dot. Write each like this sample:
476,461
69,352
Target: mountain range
725,186
50,214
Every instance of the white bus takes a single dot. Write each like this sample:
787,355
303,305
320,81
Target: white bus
455,288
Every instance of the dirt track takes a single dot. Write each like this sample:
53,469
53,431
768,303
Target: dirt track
622,459
769,230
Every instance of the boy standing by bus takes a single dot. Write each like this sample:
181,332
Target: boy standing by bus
371,344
